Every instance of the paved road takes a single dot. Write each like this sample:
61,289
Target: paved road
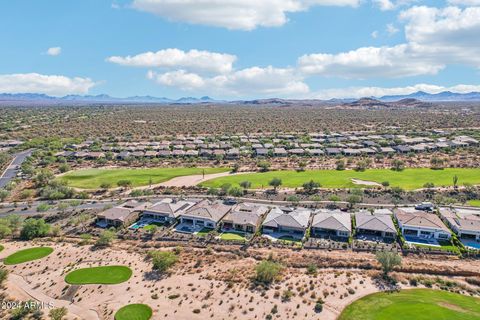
14,167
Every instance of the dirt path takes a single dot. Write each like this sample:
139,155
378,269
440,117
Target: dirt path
17,283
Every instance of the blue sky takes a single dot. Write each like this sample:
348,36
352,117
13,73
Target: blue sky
239,48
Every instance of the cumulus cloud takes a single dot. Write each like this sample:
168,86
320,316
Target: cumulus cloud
397,61
359,92
450,34
193,60
435,38
54,51
267,81
233,14
48,84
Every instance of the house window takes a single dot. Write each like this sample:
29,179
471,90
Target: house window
443,236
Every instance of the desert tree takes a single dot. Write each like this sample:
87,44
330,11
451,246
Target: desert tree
388,261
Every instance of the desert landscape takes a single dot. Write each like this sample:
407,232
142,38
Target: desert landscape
218,284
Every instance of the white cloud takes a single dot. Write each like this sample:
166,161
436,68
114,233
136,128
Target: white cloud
193,60
258,81
465,2
435,38
450,34
391,29
54,51
233,14
397,61
48,84
374,34
386,5
359,92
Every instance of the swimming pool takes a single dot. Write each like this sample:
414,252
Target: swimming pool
428,242
471,244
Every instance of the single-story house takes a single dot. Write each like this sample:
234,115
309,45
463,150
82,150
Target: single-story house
421,224
167,210
387,150
233,153
261,152
402,149
379,225
315,152
351,152
244,217
333,151
296,151
331,223
204,214
368,151
280,152
464,222
287,220
122,215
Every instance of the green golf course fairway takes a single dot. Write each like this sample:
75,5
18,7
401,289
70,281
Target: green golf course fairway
99,275
409,179
415,304
134,312
474,203
27,255
94,178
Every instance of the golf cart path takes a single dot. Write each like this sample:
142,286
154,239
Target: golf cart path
18,283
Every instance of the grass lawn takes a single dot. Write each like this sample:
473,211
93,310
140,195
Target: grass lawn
290,240
444,246
1,248
416,304
408,179
94,178
204,232
99,275
152,226
237,236
474,203
27,255
134,312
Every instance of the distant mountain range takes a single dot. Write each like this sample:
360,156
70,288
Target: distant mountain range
102,98
34,98
436,97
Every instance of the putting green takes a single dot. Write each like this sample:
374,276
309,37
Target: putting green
134,312
99,275
416,304
94,178
26,255
408,179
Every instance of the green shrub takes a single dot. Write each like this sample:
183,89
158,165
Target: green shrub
267,271
163,260
34,228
